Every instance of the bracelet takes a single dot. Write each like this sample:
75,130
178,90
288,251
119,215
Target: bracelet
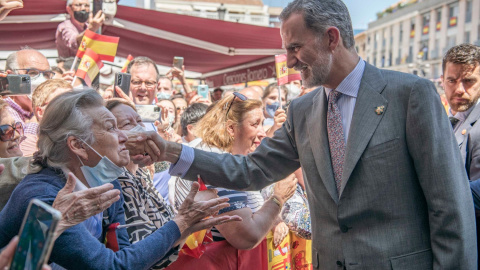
275,200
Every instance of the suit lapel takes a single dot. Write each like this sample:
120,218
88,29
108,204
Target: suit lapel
317,131
465,129
365,119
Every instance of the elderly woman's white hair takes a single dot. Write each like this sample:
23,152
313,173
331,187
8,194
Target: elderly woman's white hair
65,117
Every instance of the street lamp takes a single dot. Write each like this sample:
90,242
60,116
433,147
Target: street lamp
221,12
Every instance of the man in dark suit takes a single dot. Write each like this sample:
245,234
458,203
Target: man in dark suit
385,181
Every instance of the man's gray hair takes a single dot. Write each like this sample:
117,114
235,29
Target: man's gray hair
65,116
69,2
143,60
321,14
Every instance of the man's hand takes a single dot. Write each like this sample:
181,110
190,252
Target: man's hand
78,206
94,23
285,188
8,5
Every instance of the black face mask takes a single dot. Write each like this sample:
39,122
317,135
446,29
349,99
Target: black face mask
81,16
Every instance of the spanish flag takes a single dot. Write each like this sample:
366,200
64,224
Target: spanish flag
285,74
104,46
89,67
125,66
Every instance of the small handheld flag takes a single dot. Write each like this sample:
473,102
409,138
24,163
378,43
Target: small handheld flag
285,74
104,46
125,66
89,67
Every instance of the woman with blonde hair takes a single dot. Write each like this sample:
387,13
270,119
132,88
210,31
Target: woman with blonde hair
235,125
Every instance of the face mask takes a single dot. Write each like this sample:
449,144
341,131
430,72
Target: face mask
94,225
163,95
293,91
104,172
81,16
171,118
138,128
271,108
37,81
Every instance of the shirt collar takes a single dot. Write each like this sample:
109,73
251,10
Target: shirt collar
350,85
24,114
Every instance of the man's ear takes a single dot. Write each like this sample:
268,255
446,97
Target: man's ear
38,111
77,147
190,129
334,38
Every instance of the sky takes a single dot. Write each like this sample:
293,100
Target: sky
361,11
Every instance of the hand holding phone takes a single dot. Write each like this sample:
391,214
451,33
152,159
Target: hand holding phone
36,236
15,85
122,80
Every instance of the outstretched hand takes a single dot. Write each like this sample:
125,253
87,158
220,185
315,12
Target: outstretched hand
191,214
78,206
8,5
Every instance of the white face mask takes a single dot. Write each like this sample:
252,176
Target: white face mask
293,91
138,128
104,172
37,81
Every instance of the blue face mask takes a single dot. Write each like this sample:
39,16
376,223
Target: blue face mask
104,172
272,108
162,95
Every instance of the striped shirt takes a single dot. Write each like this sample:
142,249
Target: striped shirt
349,88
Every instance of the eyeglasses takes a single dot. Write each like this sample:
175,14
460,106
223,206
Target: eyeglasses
235,95
181,108
34,73
148,84
81,5
7,132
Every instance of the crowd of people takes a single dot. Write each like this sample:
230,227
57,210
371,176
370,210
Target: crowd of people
388,179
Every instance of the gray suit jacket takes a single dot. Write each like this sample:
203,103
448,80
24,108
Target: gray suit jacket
405,201
469,143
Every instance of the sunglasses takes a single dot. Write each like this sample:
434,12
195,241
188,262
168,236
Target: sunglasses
7,132
235,95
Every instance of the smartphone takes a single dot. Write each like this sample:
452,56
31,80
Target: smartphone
149,113
178,62
97,6
202,90
122,80
15,85
36,236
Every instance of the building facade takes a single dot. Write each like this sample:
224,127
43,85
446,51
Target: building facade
241,11
413,38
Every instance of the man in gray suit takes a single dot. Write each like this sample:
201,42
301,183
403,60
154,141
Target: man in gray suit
461,82
384,178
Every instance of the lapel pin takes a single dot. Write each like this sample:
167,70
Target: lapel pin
379,110
464,131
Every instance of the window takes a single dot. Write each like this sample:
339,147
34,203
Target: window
438,25
453,15
401,33
467,37
468,14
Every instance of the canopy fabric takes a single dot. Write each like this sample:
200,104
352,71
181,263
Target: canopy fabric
207,45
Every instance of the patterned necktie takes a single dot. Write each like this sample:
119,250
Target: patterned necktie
336,139
453,121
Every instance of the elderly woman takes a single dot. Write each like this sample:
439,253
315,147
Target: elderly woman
11,133
145,209
234,125
79,135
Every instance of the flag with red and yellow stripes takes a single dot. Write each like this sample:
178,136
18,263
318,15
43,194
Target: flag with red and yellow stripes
104,46
125,66
89,67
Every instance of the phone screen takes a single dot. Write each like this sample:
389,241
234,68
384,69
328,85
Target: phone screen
35,237
149,113
202,90
178,62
